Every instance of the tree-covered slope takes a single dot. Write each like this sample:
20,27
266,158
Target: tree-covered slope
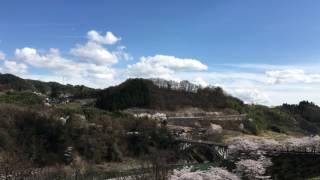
144,94
12,82
9,81
288,118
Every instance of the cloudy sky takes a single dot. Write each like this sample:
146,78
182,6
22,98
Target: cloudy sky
263,52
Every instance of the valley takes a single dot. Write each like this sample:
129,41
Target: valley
152,129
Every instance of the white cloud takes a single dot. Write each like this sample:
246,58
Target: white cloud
50,60
93,52
163,66
249,87
14,67
248,90
174,63
60,66
146,70
108,38
120,53
92,66
292,76
257,66
226,76
10,66
200,81
272,87
2,56
250,95
294,94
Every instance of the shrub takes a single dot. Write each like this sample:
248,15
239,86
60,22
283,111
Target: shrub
22,98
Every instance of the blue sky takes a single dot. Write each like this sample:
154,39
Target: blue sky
261,51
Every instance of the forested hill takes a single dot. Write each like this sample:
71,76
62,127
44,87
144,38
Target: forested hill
303,118
12,82
144,93
304,109
307,114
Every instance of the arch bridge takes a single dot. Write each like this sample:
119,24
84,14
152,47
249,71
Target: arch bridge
218,151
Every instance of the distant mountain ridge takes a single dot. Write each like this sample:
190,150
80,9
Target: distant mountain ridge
12,82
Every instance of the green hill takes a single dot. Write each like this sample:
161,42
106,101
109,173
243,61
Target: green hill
143,93
303,118
11,82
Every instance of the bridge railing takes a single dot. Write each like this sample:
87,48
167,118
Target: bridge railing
292,151
201,142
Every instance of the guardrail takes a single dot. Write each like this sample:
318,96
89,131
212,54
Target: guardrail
209,118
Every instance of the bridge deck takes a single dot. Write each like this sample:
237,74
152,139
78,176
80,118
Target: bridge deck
277,152
201,142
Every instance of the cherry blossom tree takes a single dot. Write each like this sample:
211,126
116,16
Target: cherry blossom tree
242,148
315,143
269,145
251,169
249,153
212,173
308,143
